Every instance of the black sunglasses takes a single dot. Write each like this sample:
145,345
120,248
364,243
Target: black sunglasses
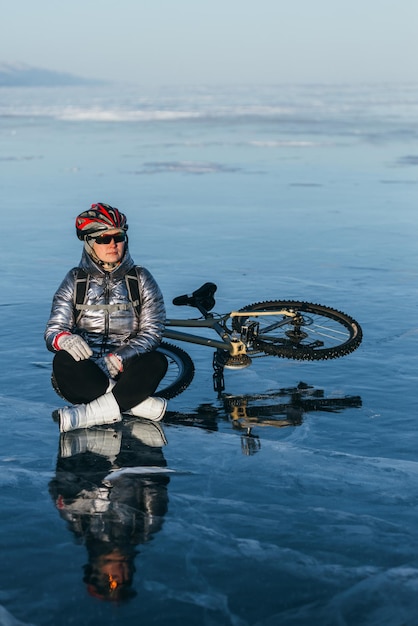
105,239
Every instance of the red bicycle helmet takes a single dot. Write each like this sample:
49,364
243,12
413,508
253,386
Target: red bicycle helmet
99,217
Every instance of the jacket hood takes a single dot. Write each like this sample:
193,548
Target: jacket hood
94,269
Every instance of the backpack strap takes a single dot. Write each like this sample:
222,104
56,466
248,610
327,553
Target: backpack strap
132,284
82,283
80,291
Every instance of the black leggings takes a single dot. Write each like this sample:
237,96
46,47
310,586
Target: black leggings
80,382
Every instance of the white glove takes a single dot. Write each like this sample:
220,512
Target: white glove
74,345
111,364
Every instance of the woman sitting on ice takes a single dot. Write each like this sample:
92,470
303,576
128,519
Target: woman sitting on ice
106,361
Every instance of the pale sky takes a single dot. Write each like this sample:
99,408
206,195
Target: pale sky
215,41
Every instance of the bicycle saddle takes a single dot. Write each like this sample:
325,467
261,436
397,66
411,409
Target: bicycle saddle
202,297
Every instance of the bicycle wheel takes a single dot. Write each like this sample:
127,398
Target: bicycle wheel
312,333
180,371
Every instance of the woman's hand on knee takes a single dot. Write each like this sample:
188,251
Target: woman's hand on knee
111,364
74,345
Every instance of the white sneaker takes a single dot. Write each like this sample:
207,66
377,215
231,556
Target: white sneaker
103,410
150,409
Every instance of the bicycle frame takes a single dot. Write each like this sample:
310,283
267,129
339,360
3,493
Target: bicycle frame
234,346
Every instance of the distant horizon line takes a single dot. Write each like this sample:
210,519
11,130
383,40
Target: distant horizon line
18,68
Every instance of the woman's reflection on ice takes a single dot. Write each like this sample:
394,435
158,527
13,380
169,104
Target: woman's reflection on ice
111,488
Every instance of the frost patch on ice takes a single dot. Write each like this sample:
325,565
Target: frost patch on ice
409,159
386,599
297,563
12,476
283,144
210,600
7,619
21,158
96,114
399,182
16,405
42,364
186,167
305,185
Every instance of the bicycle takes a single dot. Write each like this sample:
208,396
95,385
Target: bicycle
288,329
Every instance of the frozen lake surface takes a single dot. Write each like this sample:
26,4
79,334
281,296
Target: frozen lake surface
266,504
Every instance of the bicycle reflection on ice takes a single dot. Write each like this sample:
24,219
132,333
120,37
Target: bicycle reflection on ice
285,407
110,486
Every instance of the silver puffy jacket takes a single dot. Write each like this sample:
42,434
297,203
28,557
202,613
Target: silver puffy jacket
109,322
